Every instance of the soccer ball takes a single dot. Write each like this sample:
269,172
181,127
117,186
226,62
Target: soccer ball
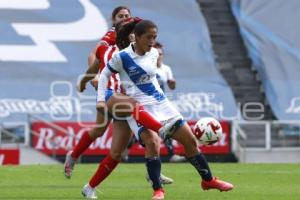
208,130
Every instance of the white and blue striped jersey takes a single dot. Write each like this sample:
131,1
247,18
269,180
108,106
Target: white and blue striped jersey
137,75
138,79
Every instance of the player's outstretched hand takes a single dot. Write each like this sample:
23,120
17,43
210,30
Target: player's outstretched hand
94,83
80,87
101,106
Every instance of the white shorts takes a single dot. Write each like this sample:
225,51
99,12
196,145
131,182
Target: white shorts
161,111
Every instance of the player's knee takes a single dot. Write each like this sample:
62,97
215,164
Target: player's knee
116,155
193,142
96,132
152,143
191,146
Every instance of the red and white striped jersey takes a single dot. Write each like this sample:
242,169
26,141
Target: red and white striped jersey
110,37
104,54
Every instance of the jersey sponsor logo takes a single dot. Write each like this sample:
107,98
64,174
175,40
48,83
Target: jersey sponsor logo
143,79
133,71
45,35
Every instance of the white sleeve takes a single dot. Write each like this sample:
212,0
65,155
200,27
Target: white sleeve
155,52
169,73
102,83
113,66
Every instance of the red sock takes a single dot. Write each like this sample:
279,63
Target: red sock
105,168
82,145
144,118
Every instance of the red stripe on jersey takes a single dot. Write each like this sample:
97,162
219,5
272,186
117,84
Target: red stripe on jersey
112,51
110,37
109,84
116,81
100,53
104,54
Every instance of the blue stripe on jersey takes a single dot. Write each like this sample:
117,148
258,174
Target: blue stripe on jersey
111,69
137,74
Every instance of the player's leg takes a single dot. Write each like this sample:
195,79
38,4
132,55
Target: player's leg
153,163
163,179
172,156
185,136
121,136
131,142
85,141
122,106
151,141
102,123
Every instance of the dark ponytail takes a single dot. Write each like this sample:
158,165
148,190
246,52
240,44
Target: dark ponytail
123,30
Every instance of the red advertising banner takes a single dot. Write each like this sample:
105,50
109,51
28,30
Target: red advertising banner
50,140
9,156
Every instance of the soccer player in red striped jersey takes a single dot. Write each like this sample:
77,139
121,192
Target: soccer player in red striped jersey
100,55
119,13
104,48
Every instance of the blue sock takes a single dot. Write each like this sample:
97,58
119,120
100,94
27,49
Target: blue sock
200,163
153,167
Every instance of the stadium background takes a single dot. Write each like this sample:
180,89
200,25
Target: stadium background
233,60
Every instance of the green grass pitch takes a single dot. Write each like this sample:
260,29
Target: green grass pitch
252,181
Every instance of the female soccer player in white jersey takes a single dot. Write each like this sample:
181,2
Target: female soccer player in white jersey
99,57
136,65
119,142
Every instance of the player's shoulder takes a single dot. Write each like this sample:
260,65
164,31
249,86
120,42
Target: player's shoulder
154,51
110,37
116,57
111,31
164,66
101,49
104,49
127,51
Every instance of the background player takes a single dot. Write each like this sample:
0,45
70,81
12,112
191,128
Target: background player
165,77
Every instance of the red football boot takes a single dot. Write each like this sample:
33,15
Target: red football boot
158,194
216,183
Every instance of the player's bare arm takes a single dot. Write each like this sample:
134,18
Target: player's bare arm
90,73
171,84
92,56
